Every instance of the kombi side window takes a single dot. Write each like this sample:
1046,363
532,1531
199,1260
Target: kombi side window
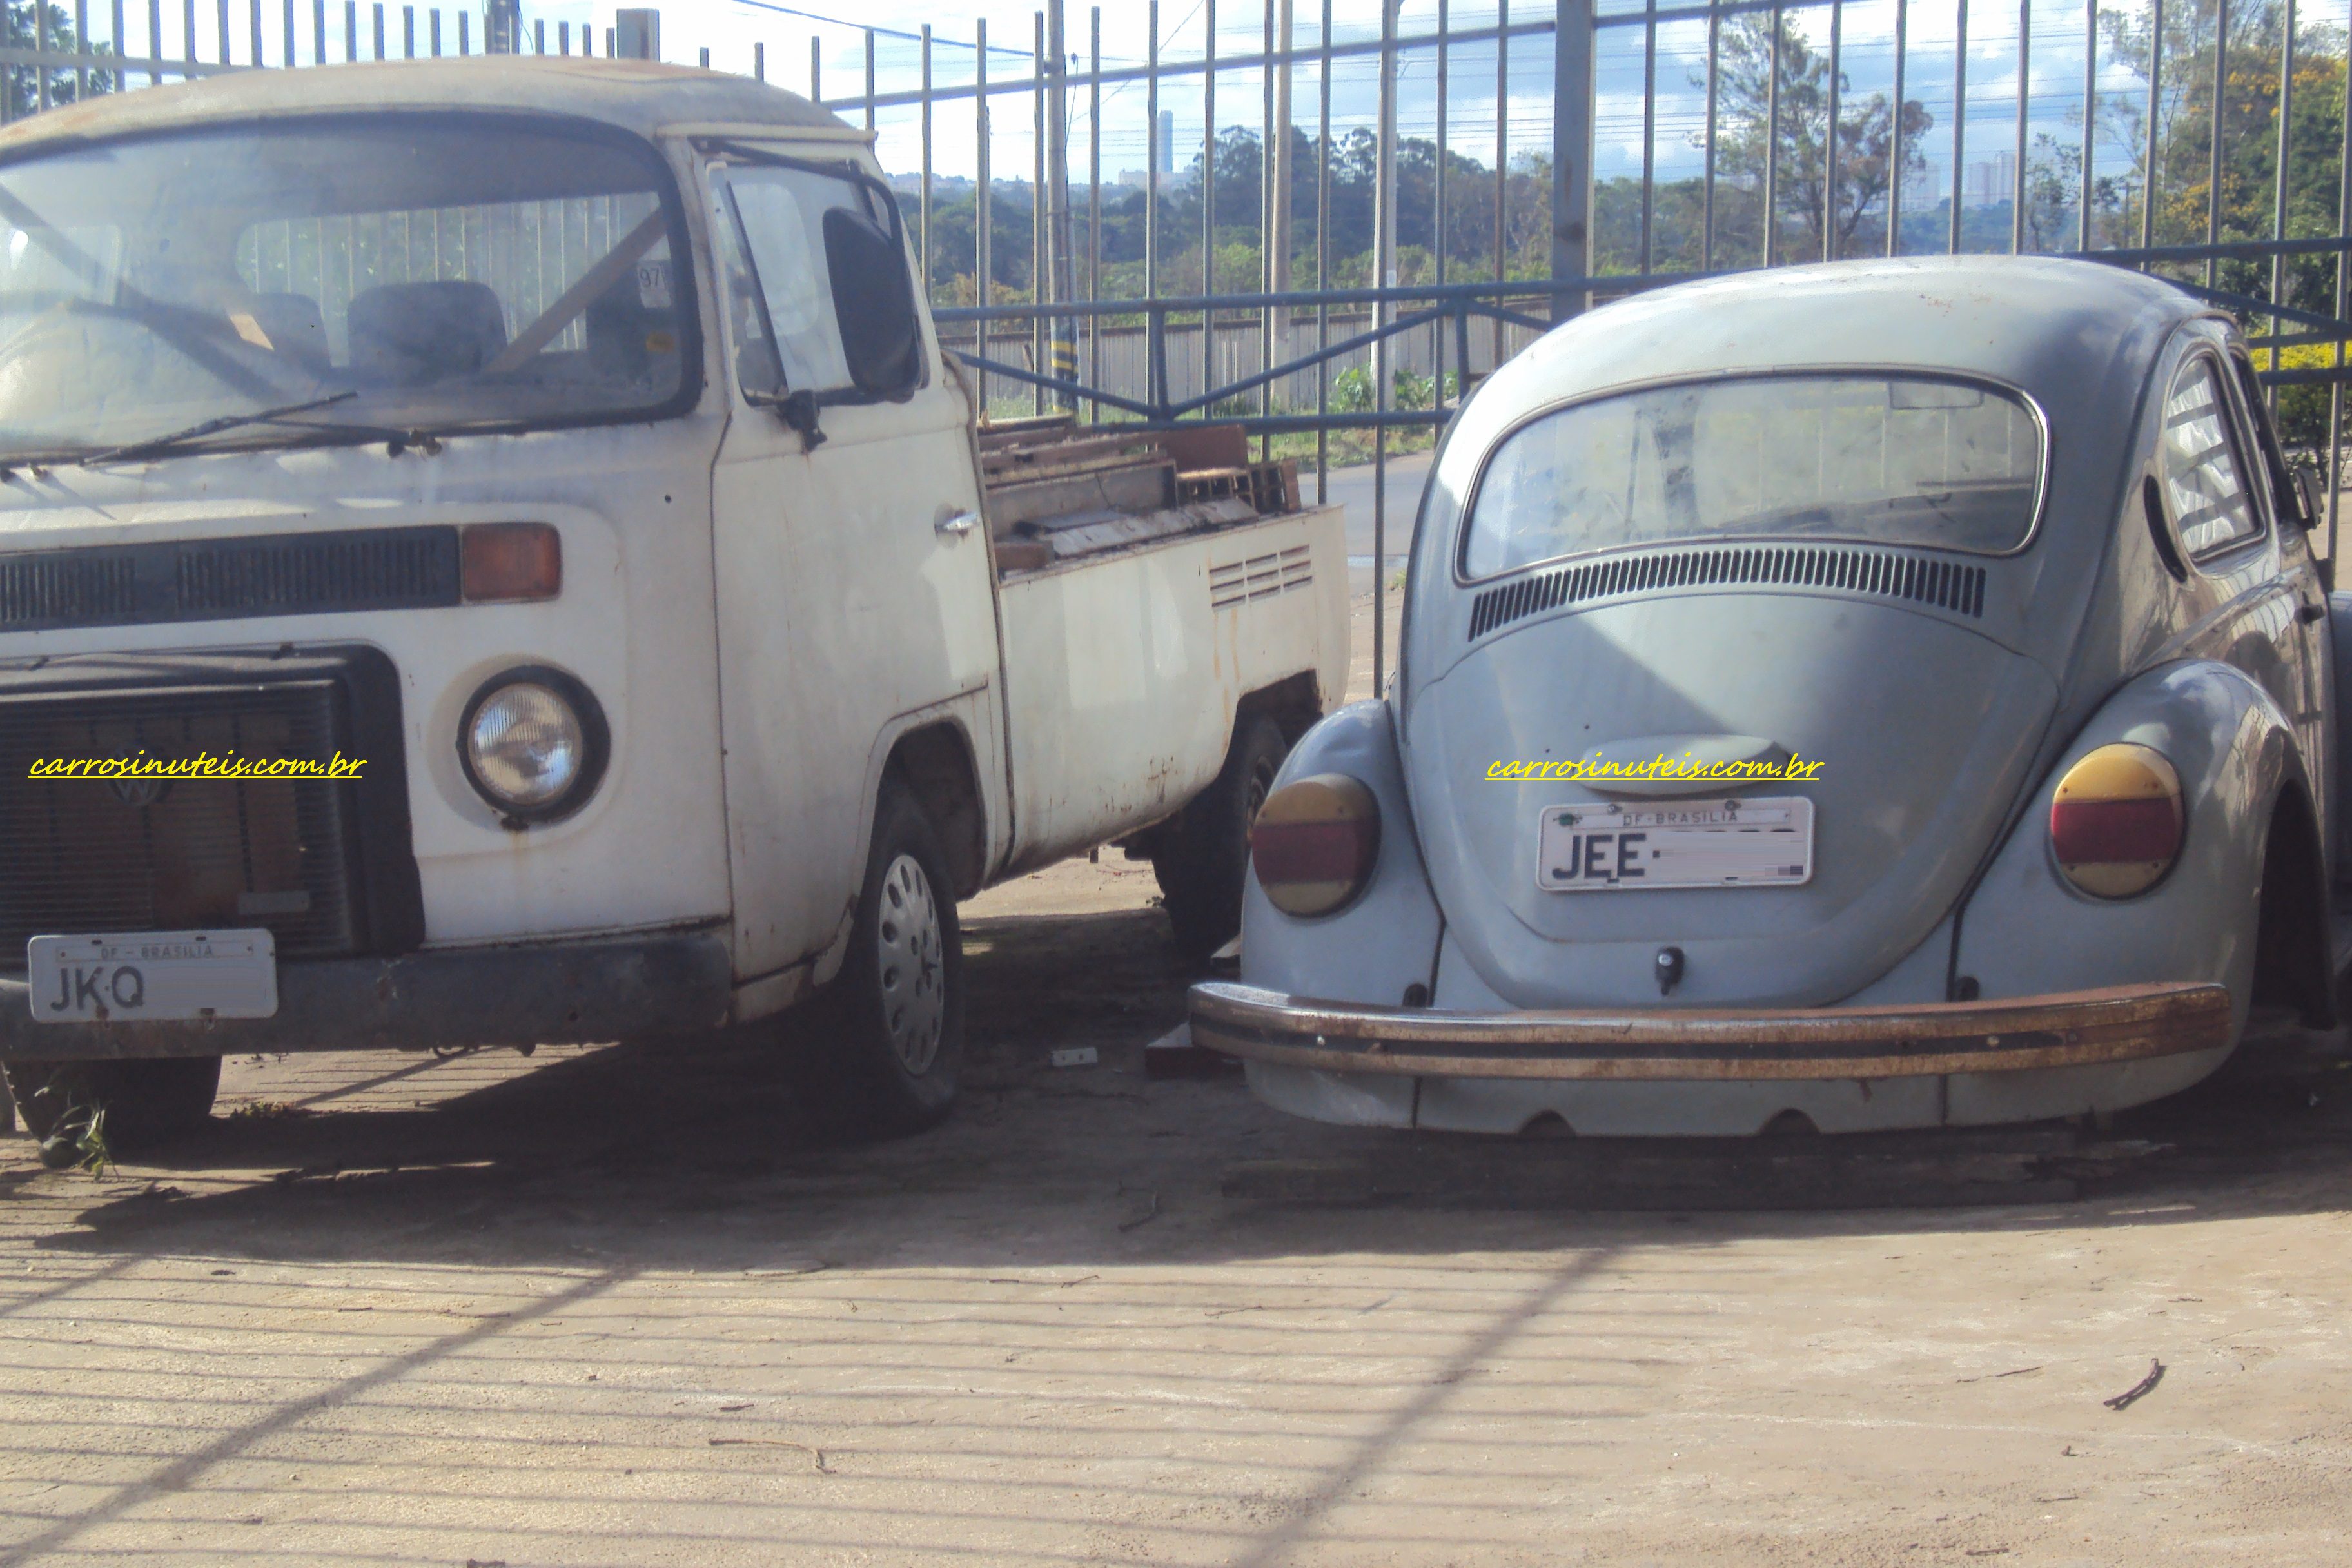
2199,462
782,293
1890,459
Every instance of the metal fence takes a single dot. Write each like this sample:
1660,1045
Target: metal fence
1580,152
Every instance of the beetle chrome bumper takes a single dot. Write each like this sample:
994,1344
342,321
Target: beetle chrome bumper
2062,1029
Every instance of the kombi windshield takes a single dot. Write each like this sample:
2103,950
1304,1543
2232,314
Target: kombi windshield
1891,459
394,272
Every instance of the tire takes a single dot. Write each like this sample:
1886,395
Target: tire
889,1047
147,1101
1203,864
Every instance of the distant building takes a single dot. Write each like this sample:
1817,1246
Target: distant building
1991,182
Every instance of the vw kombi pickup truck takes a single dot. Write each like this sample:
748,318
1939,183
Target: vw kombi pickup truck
563,446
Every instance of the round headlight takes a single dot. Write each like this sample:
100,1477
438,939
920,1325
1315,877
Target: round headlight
532,741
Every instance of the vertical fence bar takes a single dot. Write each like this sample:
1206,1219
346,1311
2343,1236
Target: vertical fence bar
870,79
1503,151
2334,469
1571,154
379,29
923,212
1830,138
759,56
1895,144
539,35
816,70
1323,260
1772,138
1265,213
81,45
1041,217
40,46
563,39
2279,275
432,31
155,41
1094,199
1285,199
120,82
1437,227
1384,226
1649,125
408,32
2090,118
2024,87
350,31
2213,133
2148,182
1155,321
985,198
319,32
1959,112
1209,196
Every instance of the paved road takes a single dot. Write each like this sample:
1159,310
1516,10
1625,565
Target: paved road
1353,487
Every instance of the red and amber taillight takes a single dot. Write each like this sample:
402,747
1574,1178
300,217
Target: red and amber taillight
2116,824
1315,843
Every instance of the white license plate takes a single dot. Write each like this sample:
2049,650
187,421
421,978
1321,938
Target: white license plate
158,976
1763,843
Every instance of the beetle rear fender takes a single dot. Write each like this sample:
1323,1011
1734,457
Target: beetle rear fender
2295,958
2026,930
1384,943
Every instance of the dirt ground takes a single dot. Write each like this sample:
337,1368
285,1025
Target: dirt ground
627,1306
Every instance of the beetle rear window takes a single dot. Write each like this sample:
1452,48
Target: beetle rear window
1891,459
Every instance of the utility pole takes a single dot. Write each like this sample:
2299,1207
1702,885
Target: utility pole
1059,240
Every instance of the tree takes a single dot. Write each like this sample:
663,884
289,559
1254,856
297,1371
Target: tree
1807,207
21,26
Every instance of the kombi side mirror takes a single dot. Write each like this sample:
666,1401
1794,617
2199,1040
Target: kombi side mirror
873,302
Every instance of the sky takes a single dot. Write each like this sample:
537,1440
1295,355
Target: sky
729,30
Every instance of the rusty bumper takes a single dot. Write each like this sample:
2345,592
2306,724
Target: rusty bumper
2061,1029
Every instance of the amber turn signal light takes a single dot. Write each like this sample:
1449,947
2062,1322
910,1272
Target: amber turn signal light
500,563
1315,844
2116,824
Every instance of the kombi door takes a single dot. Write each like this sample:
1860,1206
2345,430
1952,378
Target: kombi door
854,585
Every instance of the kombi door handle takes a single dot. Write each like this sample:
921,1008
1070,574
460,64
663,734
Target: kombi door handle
957,525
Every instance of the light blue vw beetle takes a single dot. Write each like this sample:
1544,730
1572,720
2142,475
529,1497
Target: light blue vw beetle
1868,696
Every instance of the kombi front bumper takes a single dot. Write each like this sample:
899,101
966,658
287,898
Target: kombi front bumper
1846,1068
560,993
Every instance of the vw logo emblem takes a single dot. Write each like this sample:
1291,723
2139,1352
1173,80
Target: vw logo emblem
139,794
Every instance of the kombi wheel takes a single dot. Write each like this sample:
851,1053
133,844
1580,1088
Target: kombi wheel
145,1101
1201,865
887,1060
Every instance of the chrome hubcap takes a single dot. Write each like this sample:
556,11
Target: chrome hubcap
912,965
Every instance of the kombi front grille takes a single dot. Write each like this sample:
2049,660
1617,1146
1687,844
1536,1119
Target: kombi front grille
1879,573
218,579
81,855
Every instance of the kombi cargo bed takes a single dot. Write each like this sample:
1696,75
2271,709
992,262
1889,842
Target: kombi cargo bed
1056,490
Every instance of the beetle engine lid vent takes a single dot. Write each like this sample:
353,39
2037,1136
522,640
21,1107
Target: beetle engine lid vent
1881,574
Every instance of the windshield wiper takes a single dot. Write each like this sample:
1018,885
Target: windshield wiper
281,416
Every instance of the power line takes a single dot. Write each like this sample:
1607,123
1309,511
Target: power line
879,32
